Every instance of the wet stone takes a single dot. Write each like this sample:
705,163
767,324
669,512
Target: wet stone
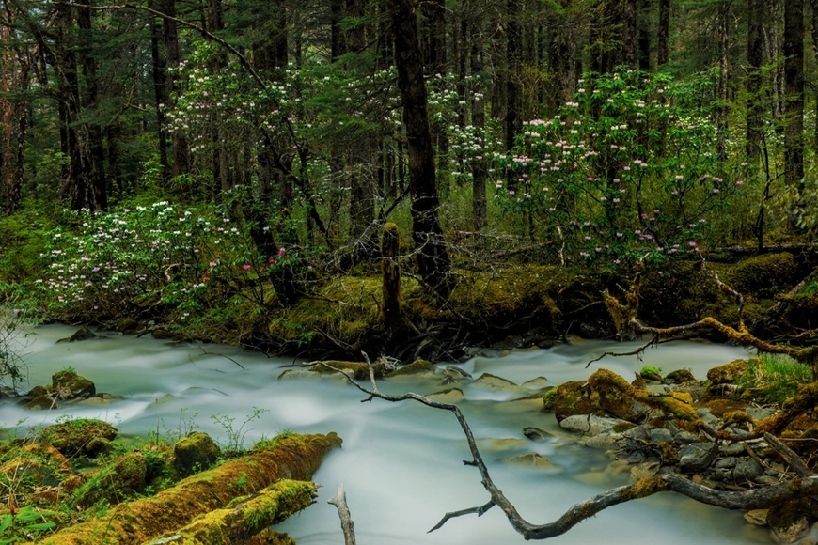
660,435
726,463
538,435
684,437
734,449
697,456
747,469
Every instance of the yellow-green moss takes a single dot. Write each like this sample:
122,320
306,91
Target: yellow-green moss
141,520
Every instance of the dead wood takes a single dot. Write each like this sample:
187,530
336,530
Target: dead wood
749,499
293,457
347,525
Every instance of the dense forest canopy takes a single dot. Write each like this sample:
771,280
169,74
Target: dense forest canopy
193,151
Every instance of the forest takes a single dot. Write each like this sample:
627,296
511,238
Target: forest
177,154
418,180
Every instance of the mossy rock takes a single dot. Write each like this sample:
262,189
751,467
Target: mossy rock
651,373
360,370
417,366
120,481
67,384
728,373
680,376
613,394
571,398
765,275
196,452
80,437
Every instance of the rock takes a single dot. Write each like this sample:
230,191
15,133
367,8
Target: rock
747,469
67,384
537,435
616,395
539,383
697,457
571,398
532,459
196,452
730,372
417,366
80,437
733,449
452,395
494,383
650,373
756,516
660,435
608,440
684,437
589,424
726,463
680,376
298,374
82,334
709,418
455,373
124,479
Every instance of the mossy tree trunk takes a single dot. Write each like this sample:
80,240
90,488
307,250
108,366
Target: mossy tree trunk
390,245
294,457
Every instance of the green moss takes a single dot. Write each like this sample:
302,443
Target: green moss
80,437
765,275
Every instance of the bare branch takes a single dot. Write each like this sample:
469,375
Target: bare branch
347,525
750,499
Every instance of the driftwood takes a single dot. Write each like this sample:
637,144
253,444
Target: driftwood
749,499
347,525
295,457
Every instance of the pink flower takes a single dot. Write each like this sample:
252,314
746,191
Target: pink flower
247,267
212,263
281,252
271,260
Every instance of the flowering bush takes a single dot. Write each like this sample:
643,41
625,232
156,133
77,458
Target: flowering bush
627,170
154,256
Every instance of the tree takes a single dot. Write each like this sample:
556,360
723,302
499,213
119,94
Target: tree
793,51
432,255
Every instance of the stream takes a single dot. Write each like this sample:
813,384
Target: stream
401,463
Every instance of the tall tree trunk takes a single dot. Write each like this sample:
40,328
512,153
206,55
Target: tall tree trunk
663,34
95,150
173,57
159,74
432,255
479,168
722,88
755,60
514,51
814,7
794,94
562,57
6,113
643,35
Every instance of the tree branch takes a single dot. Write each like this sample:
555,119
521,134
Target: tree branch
749,499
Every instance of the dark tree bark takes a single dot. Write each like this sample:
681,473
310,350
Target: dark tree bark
562,56
643,35
432,255
92,130
755,60
794,94
173,57
722,87
814,7
514,51
159,73
663,34
478,110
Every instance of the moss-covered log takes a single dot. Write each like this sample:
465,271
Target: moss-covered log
243,519
291,457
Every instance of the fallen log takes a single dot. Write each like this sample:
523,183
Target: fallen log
236,524
287,457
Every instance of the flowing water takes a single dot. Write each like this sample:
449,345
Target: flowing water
401,463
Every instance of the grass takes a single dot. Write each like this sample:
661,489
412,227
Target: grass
775,376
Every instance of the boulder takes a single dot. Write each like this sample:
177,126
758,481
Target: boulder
570,398
80,437
196,452
590,424
697,457
728,373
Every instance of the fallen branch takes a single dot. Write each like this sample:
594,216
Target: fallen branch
750,499
347,525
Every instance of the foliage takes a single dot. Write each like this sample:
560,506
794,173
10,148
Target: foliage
13,333
776,377
156,257
25,522
236,435
628,170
